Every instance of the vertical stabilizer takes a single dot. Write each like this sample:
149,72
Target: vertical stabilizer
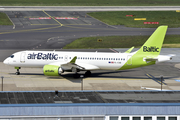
153,45
149,51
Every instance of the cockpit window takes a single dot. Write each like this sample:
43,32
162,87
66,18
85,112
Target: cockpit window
12,56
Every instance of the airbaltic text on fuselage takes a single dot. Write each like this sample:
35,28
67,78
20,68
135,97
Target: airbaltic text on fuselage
150,49
39,56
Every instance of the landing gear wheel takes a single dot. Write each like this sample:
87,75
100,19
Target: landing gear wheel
88,73
76,75
17,73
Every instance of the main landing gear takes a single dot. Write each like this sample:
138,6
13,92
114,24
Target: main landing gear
87,73
17,73
76,75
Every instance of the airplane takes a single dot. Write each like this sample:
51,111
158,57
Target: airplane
54,63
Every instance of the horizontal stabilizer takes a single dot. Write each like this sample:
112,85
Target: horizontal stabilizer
151,59
171,55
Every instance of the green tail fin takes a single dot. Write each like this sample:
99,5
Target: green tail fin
153,45
150,50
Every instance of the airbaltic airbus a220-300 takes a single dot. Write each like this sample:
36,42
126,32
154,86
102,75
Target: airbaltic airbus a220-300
54,63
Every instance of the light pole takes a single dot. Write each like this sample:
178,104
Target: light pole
81,76
2,82
161,81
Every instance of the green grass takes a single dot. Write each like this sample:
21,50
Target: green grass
119,42
4,20
89,2
170,18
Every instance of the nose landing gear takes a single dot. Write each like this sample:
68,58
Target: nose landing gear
17,73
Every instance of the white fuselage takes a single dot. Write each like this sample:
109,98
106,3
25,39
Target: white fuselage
90,60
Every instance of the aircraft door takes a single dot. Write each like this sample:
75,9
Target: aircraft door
22,58
66,58
129,58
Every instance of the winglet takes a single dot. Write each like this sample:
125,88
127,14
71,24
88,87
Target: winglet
129,50
73,60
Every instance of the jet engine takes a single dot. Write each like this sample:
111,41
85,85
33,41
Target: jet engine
52,70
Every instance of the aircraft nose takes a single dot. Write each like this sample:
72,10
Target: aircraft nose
6,61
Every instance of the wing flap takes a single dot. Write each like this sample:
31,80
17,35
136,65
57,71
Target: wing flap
88,66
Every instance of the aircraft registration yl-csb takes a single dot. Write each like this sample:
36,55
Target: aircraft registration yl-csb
54,63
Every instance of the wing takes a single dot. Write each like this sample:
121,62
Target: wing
72,65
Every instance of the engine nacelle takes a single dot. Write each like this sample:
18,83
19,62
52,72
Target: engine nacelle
52,70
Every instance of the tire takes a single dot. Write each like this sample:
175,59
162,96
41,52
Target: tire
17,73
76,76
88,73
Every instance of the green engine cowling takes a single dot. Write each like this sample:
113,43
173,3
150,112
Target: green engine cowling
52,70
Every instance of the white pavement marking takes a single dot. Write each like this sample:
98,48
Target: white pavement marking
11,21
